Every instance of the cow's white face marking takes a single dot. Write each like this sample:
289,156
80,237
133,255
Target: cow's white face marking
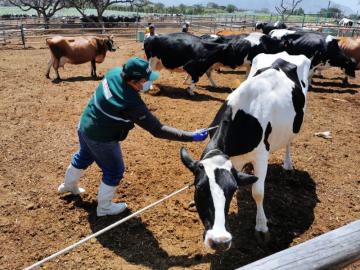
218,232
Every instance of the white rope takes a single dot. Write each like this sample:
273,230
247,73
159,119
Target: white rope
104,230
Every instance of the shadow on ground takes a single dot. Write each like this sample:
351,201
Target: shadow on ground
290,199
181,93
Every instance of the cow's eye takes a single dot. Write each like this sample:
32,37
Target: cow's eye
201,166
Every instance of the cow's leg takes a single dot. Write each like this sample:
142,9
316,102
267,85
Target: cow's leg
260,169
187,79
248,67
287,160
56,63
319,74
190,89
93,68
208,74
50,63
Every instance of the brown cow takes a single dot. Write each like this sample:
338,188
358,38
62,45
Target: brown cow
351,48
77,50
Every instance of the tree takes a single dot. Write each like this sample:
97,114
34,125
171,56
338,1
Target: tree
287,8
331,12
198,9
44,8
230,8
100,6
182,8
212,5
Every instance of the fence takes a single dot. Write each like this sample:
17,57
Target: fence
332,250
32,33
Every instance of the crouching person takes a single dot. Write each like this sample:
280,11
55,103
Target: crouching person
111,112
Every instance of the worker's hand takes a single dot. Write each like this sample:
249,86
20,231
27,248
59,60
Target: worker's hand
200,135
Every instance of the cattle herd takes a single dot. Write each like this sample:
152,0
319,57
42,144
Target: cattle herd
262,115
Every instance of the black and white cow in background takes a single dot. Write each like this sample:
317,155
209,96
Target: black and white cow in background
267,27
261,116
322,49
346,22
196,55
186,52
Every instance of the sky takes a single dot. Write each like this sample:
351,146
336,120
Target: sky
353,4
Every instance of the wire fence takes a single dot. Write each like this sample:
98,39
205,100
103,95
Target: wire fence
31,33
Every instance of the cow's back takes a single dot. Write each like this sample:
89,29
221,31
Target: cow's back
76,50
272,100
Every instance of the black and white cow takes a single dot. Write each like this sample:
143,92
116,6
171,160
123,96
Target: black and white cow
186,52
322,49
196,55
346,22
261,116
267,27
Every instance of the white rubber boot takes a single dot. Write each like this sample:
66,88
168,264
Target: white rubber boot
105,205
71,181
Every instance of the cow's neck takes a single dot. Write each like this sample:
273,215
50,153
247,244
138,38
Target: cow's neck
217,142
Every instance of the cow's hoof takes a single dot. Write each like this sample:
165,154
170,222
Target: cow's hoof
47,76
345,82
262,238
190,92
287,167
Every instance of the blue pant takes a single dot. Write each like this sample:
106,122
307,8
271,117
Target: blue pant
107,156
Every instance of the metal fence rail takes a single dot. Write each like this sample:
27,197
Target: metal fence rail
31,33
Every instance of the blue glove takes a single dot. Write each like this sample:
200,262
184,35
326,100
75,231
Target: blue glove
200,135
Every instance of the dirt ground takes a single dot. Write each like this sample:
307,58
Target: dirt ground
38,136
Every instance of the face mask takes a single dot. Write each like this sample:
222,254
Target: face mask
146,86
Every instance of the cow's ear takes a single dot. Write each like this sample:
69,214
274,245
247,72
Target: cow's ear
187,160
244,179
100,41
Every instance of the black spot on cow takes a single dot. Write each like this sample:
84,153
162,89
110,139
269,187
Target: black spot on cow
244,134
298,96
302,83
203,200
266,137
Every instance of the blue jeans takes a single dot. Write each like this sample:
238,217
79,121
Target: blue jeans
107,156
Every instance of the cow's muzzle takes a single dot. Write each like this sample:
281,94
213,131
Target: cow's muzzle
218,243
220,246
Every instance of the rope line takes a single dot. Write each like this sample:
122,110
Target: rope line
65,250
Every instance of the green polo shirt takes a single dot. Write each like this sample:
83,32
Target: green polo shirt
102,118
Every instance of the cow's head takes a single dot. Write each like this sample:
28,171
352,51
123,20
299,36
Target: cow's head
216,180
259,25
109,43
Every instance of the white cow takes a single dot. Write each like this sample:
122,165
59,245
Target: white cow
261,116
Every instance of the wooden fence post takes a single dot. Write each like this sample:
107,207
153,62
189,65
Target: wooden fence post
333,250
22,34
4,37
303,21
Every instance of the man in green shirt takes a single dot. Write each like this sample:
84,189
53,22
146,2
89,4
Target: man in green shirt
111,112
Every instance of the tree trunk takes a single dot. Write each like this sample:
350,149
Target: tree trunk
46,21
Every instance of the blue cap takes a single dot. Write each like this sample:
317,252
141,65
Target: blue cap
139,68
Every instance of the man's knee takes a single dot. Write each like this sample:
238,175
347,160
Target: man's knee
114,178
